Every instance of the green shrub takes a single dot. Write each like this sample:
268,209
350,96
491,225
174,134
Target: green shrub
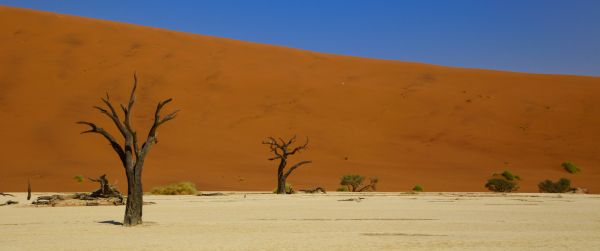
289,189
78,178
418,188
180,188
502,185
352,181
561,186
570,167
510,176
343,189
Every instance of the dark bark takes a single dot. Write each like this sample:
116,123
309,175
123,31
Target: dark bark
28,189
372,186
106,190
130,153
135,200
315,190
282,150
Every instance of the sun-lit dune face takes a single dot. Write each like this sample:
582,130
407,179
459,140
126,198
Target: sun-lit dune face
447,129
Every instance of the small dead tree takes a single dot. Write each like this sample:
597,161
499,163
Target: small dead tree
132,156
282,150
28,189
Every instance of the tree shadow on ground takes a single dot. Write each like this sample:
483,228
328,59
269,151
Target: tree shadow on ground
112,222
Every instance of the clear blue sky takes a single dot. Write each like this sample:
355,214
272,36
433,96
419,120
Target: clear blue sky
543,36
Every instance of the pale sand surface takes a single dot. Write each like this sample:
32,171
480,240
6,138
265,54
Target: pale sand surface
261,221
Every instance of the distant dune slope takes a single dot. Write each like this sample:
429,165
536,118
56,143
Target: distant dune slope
446,128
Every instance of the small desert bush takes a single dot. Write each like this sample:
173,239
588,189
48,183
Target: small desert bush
352,181
418,188
289,189
78,178
570,167
343,189
561,186
181,188
501,185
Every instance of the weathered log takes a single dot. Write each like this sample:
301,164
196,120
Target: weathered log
315,190
106,190
210,194
357,199
9,202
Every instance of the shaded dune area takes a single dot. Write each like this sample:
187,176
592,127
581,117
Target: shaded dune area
446,128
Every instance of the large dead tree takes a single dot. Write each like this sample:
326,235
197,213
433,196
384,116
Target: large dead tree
130,153
282,150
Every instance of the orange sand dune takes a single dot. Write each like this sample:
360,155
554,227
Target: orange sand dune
446,128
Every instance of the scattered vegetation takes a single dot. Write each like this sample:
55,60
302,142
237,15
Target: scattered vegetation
418,188
181,188
570,167
289,189
561,186
501,185
353,183
504,182
78,178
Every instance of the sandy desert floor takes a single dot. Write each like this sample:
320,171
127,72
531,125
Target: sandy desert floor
261,221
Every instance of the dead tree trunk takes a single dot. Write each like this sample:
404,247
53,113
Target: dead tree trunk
130,153
28,189
282,150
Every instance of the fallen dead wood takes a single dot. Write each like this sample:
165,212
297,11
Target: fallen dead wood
211,194
357,199
315,190
107,194
9,202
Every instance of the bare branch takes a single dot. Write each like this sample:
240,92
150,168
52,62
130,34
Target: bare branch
291,141
131,137
152,138
298,148
274,146
127,110
168,117
113,142
112,115
289,171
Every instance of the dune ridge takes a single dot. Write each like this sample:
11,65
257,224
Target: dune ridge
407,123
